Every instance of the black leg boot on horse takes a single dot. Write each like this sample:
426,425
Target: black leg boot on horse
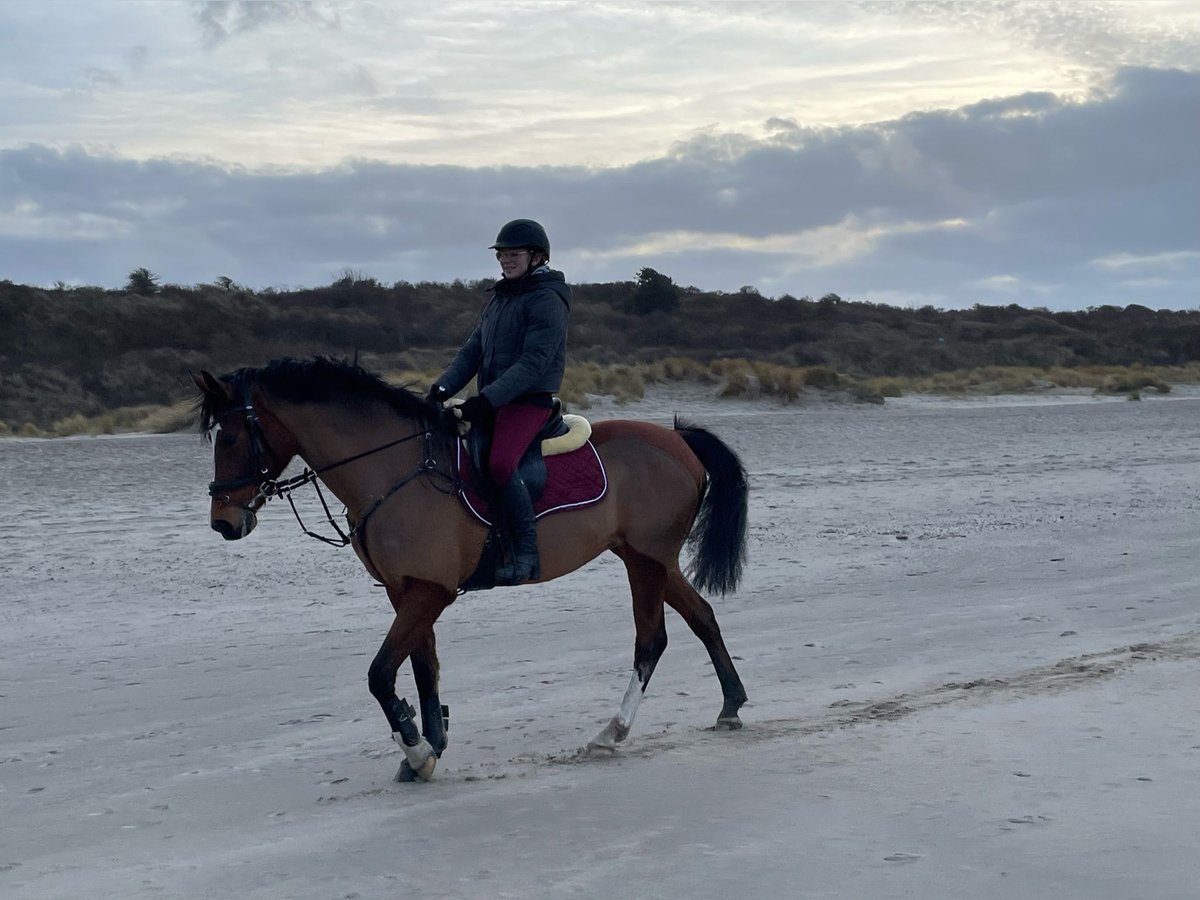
521,530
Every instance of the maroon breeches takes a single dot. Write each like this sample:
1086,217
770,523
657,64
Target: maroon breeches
515,428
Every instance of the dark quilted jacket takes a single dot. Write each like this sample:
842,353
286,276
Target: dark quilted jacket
519,346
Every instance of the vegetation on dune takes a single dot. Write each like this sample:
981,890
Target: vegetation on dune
91,360
1026,379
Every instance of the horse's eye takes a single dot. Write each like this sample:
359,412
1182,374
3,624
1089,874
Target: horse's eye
226,439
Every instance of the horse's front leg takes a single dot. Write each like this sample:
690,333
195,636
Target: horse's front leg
434,716
418,605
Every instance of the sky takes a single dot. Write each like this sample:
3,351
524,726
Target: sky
910,153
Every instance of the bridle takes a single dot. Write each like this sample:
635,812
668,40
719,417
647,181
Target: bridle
259,452
268,488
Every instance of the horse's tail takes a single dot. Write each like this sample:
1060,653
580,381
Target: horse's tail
718,536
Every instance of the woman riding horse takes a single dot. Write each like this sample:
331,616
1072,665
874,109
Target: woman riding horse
389,457
517,352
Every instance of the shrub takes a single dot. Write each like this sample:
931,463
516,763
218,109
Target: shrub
680,368
170,419
655,292
864,393
821,377
779,381
621,382
737,383
886,387
75,424
1130,382
142,281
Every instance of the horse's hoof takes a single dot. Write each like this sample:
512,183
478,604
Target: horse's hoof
407,773
420,758
597,747
729,723
608,738
425,770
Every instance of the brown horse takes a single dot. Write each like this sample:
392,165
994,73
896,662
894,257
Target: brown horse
387,455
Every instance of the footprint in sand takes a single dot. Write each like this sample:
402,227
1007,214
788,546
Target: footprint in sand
1027,820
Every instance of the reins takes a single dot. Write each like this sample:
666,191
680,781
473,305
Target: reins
310,476
427,466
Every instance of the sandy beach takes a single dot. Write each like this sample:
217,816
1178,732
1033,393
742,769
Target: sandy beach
969,630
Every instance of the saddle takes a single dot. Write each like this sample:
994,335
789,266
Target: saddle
561,469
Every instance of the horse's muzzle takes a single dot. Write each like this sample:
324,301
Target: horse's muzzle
237,529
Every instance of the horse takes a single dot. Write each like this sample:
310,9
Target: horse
388,455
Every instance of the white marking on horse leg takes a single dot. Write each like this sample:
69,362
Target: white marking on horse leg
420,756
618,727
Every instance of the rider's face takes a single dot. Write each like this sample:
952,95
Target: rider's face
513,263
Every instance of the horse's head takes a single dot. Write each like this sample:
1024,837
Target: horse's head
250,449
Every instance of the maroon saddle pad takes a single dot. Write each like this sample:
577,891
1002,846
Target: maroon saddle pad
573,480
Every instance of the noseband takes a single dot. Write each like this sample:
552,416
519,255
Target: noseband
260,454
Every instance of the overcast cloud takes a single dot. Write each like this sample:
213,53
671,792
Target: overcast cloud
911,153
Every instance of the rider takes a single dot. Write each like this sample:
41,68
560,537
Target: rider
517,351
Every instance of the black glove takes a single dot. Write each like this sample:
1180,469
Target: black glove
477,410
437,393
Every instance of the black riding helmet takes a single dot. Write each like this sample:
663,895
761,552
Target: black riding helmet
522,234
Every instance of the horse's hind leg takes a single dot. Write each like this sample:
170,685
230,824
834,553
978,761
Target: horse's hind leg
417,605
647,581
696,611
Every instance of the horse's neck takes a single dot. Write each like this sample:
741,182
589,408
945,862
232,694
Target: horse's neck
327,435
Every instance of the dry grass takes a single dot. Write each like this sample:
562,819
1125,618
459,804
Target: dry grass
128,419
169,419
1020,380
753,380
884,387
680,368
623,383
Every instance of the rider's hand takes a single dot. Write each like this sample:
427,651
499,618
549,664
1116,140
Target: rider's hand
437,393
476,410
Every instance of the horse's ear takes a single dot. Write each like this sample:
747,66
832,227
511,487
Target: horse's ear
209,385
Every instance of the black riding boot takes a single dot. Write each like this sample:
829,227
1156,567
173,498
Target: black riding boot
522,534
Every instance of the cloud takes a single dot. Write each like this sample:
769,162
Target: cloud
1176,260
136,57
219,20
1031,199
96,79
1157,34
535,83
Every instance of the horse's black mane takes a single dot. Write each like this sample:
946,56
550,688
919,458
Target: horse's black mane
321,380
